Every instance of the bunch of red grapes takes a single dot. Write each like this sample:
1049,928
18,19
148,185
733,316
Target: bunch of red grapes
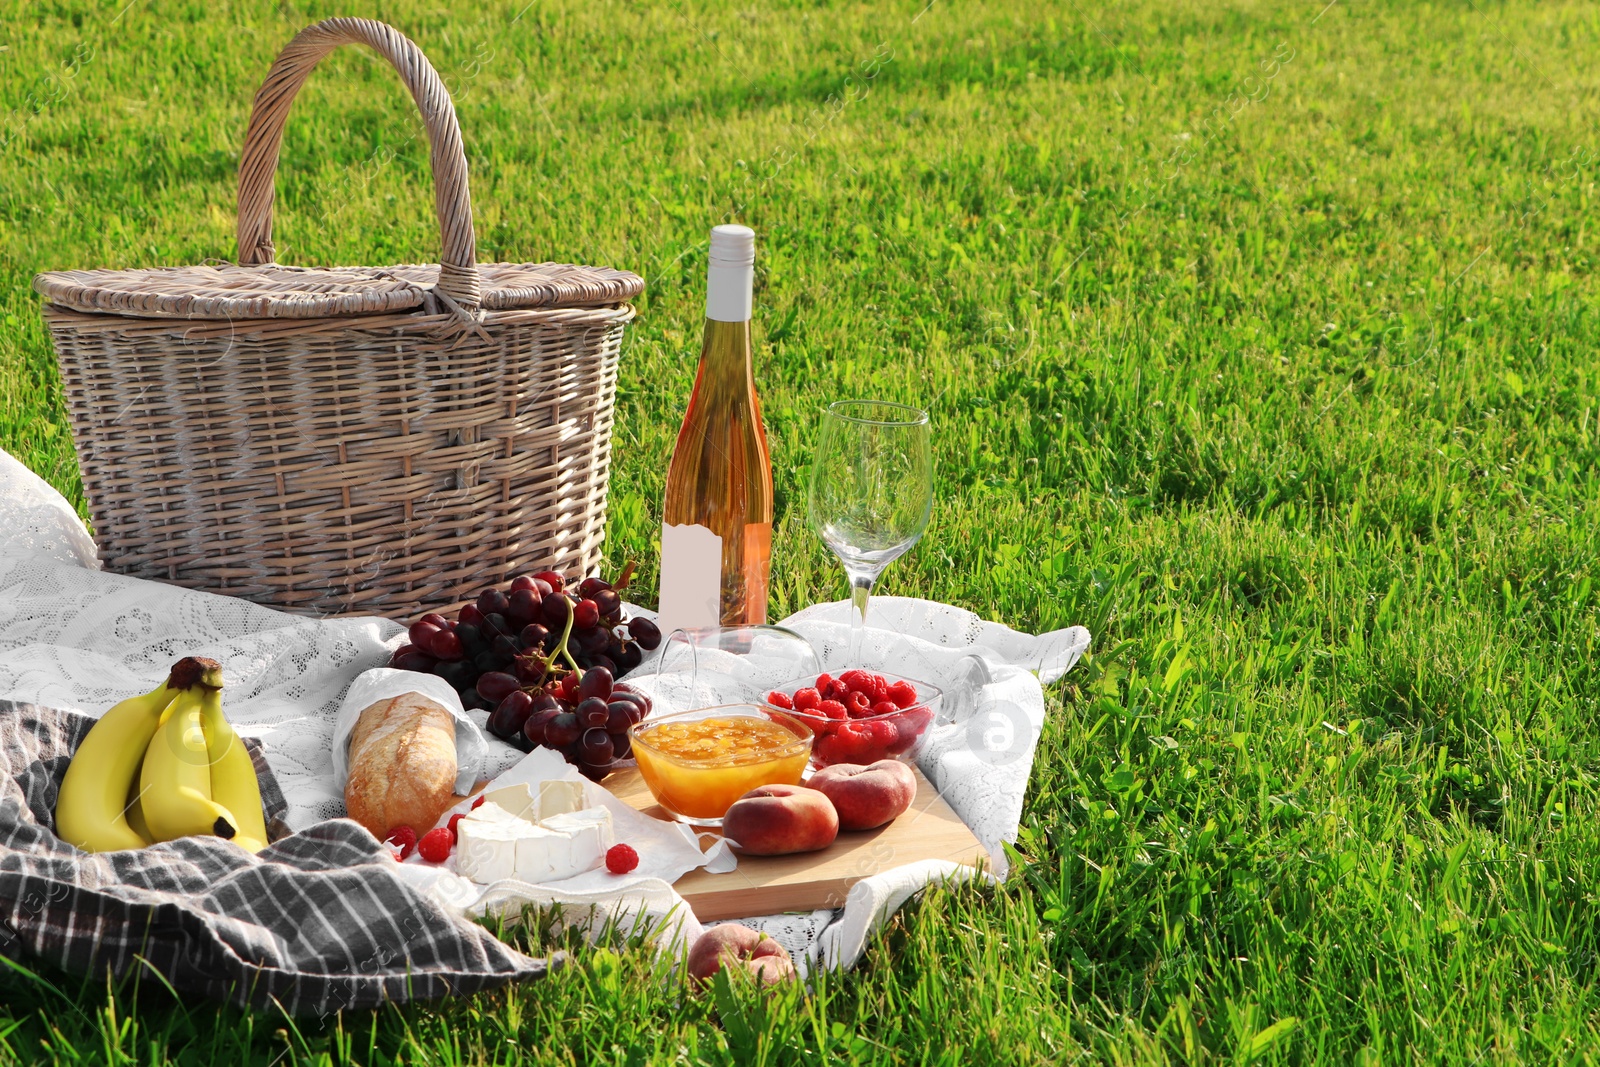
546,662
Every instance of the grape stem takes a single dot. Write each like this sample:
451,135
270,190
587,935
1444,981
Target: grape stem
562,649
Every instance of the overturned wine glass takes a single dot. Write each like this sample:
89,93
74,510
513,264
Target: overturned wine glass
698,668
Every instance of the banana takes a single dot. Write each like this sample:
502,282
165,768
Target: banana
135,812
233,774
94,792
175,782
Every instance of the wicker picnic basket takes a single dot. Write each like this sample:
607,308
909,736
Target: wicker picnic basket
353,440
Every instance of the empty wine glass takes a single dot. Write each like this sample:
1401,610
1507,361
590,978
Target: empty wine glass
871,492
697,668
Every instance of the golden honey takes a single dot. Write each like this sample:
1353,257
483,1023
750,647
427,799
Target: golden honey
697,767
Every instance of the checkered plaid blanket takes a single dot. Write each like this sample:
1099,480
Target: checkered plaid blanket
316,923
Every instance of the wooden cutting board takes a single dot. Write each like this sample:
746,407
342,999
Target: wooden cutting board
768,885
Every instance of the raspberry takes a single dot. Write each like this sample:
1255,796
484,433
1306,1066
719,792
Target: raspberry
457,817
884,734
436,844
884,707
476,804
853,743
620,859
404,838
806,699
824,682
858,704
909,726
857,681
832,709
826,749
904,694
780,700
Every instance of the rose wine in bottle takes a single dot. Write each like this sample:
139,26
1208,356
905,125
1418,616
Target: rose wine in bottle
716,538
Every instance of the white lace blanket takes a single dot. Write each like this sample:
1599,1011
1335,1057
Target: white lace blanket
73,636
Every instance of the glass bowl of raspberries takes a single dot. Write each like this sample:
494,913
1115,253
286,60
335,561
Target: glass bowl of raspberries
861,716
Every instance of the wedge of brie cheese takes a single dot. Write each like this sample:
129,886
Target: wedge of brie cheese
590,830
494,843
513,798
560,797
554,798
486,843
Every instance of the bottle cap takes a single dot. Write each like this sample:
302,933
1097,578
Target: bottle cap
731,273
733,246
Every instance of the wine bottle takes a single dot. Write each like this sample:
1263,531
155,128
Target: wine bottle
716,537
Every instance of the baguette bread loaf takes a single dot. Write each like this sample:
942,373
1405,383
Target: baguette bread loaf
402,765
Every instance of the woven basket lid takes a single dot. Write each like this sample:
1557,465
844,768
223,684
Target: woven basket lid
278,292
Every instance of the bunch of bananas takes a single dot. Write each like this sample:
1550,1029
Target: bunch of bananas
162,766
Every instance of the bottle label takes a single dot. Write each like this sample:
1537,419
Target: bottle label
728,290
691,578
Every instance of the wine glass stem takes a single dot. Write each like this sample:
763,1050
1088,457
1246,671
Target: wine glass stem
860,590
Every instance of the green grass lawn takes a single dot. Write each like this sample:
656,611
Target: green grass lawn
1259,337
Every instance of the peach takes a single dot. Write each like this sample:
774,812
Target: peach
770,970
731,944
774,820
866,797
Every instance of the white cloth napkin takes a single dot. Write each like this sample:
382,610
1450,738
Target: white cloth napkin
667,851
73,636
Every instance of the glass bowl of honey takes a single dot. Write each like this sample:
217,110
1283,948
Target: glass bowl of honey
697,763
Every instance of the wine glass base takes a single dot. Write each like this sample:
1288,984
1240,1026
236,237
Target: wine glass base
695,821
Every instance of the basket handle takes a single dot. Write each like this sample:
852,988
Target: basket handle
458,267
